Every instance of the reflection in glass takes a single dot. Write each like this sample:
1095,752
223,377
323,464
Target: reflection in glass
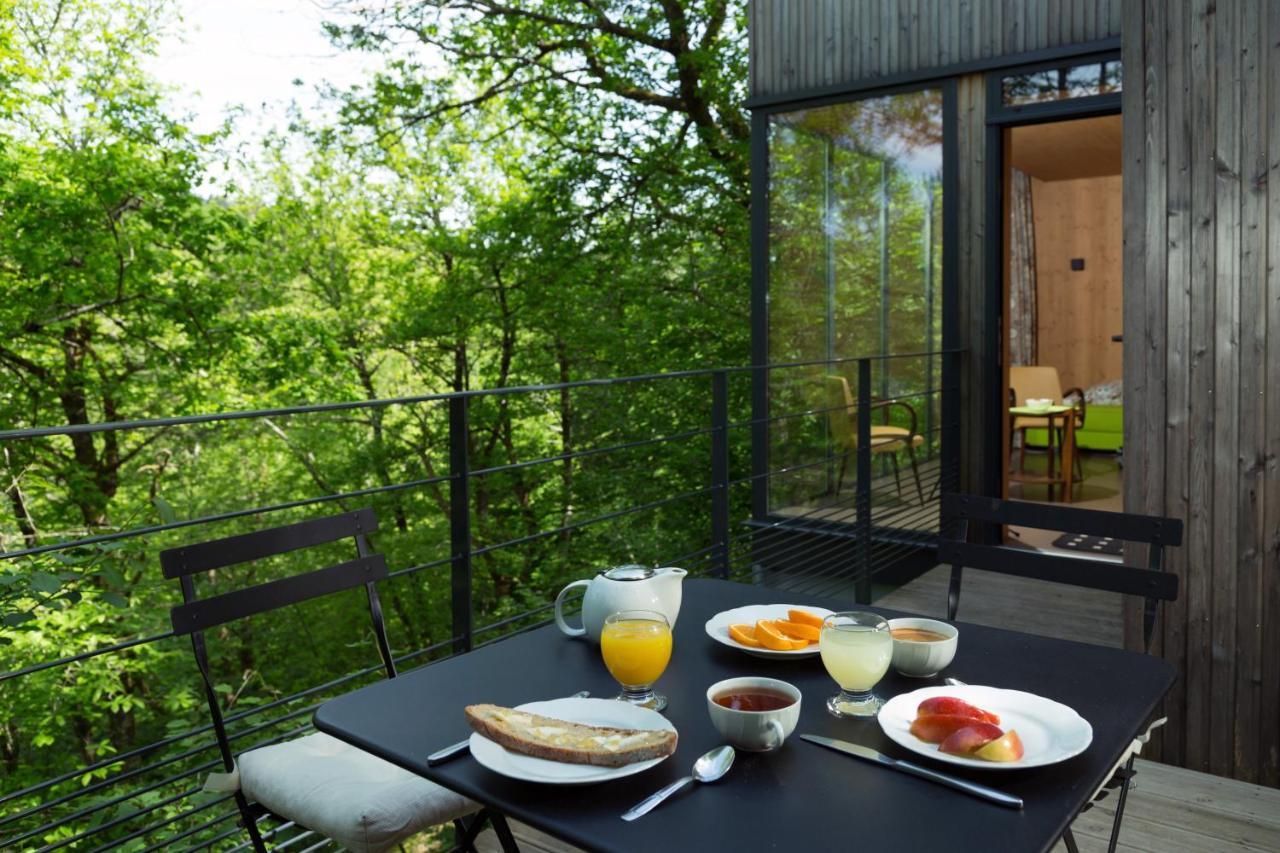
855,268
1062,83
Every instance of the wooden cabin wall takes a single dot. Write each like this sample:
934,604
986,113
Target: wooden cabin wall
860,40
1201,303
864,39
1202,372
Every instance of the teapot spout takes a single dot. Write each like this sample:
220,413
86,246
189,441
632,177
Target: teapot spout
670,573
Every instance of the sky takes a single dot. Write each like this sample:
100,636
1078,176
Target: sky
248,53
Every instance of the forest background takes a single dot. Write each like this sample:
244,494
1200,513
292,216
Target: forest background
533,192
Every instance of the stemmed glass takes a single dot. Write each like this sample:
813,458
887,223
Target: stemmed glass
636,646
856,649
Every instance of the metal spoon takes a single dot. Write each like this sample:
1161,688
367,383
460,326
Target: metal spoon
708,768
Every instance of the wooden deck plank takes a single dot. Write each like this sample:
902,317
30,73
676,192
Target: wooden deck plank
1170,809
1019,604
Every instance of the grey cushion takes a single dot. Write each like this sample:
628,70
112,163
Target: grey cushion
357,799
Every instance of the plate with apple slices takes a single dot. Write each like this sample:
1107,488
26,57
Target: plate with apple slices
987,727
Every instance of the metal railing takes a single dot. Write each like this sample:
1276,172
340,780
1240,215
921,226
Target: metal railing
750,527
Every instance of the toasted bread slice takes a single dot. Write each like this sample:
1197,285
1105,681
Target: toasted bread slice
573,743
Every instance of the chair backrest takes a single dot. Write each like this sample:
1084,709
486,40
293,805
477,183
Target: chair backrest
1035,381
1152,583
840,407
195,615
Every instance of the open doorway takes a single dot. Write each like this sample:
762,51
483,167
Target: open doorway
1063,296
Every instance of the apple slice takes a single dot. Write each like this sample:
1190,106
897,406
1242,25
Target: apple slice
970,739
955,707
935,728
1006,748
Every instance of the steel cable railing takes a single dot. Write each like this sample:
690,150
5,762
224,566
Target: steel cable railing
827,542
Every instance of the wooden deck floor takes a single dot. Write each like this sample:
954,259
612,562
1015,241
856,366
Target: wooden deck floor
1004,601
1170,810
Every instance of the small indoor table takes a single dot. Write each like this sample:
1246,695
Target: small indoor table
1062,439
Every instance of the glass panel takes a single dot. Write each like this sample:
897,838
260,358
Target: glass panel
1062,83
855,269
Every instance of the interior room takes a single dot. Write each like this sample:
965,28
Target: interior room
1064,246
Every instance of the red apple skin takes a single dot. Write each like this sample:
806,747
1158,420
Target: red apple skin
938,727
952,706
970,739
1006,748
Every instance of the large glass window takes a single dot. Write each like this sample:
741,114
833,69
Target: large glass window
855,269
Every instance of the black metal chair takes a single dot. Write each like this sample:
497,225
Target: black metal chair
268,770
1153,584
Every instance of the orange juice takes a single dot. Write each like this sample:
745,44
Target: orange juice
636,651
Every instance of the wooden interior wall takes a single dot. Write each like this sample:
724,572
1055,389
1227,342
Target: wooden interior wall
805,44
1079,311
1202,372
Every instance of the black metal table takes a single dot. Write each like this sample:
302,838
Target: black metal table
799,797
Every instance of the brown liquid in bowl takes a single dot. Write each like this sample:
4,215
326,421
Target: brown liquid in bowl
918,635
757,699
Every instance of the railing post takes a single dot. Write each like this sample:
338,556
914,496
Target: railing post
460,522
862,587
949,449
720,472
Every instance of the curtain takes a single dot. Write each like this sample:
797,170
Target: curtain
1022,271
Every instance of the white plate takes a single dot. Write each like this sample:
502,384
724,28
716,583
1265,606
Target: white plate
718,627
592,712
1050,731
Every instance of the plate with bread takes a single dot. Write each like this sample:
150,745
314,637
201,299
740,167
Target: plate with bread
569,741
769,630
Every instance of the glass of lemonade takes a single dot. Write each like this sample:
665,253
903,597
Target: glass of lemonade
636,645
856,649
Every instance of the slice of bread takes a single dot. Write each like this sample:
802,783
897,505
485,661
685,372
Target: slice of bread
573,743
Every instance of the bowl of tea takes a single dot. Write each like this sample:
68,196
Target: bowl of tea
755,714
922,647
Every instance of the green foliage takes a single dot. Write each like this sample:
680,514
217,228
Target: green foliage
508,221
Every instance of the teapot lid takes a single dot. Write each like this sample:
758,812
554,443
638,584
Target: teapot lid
629,573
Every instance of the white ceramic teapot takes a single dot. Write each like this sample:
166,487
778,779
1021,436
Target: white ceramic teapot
623,588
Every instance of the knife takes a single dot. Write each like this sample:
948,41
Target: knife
453,750
866,754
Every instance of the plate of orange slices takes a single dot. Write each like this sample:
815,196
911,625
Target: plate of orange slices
769,630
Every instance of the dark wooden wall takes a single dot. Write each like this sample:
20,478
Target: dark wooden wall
800,45
1202,358
1201,304
806,44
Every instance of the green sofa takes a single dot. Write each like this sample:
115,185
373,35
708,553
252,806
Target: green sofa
1103,430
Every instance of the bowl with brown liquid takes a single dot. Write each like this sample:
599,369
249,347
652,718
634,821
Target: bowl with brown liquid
755,714
922,647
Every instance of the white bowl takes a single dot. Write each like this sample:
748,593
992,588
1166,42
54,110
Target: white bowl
922,658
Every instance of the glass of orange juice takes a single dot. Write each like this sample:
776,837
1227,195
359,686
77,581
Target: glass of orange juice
636,645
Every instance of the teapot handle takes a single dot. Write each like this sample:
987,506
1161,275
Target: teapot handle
563,625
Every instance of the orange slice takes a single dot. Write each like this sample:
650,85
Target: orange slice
804,617
771,638
797,630
744,634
